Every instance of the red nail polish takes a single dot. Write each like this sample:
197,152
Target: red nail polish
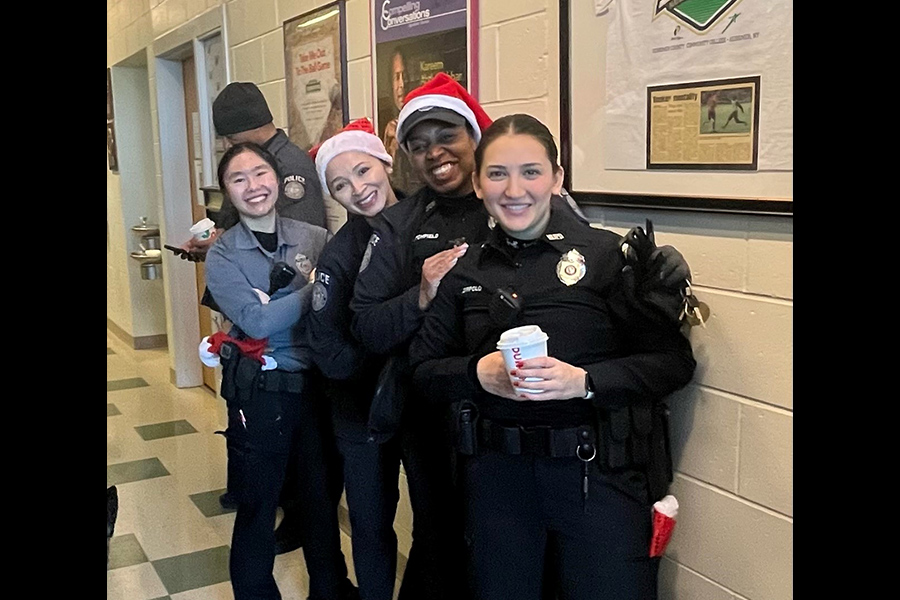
518,364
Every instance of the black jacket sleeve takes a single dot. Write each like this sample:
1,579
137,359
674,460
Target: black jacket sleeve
442,369
337,354
657,358
386,312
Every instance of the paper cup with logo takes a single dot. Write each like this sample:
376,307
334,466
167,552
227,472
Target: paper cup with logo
521,343
202,229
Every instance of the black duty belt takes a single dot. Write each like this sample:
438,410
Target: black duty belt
553,442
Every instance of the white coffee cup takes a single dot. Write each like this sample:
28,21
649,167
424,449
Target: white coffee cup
521,343
202,229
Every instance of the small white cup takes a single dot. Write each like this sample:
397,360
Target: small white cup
520,343
202,229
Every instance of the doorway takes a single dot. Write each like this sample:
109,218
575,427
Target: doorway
198,209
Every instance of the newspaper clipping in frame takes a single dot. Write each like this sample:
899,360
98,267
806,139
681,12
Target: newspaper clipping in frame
414,41
696,45
314,75
704,125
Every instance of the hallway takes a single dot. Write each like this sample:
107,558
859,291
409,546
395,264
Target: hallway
172,537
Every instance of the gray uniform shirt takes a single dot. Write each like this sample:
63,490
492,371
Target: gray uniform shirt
300,196
236,264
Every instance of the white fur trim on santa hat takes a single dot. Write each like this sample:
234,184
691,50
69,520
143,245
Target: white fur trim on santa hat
349,141
432,101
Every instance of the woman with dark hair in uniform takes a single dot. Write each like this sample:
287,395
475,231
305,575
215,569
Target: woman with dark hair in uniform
569,464
272,412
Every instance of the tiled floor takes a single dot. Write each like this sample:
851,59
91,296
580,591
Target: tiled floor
172,537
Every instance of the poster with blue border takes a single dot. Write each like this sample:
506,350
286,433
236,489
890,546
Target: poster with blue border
414,40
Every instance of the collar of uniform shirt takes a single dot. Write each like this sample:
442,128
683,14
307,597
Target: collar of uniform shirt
446,204
563,233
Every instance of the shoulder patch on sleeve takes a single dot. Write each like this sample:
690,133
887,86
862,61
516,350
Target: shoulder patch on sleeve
319,296
294,186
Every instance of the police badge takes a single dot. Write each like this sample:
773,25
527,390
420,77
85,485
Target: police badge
304,265
293,187
571,268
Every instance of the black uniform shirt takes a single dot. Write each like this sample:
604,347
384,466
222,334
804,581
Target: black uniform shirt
385,301
589,322
300,196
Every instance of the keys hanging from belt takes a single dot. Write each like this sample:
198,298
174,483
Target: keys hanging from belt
586,452
695,312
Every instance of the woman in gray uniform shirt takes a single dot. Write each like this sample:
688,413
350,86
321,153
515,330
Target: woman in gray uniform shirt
271,410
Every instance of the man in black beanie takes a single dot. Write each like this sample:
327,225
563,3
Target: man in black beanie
241,114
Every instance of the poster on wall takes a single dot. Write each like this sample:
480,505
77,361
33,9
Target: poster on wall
112,155
315,63
704,125
414,40
655,43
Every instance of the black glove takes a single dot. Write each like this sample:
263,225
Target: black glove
654,266
654,277
668,267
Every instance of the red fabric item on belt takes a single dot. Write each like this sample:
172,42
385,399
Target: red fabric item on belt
250,348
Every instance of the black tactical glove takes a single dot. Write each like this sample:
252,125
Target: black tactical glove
655,277
667,265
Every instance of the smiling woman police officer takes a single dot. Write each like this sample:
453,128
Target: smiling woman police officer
354,167
271,413
571,469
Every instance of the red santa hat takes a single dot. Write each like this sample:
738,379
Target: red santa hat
358,136
441,99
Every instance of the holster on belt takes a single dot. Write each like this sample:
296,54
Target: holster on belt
467,429
240,375
228,355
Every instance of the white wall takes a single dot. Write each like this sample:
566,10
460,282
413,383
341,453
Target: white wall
134,304
733,426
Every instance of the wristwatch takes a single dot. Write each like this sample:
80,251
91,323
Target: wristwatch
588,387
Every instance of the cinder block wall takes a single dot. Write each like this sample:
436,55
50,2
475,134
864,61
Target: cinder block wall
733,426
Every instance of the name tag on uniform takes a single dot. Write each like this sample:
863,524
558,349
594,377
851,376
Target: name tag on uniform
427,236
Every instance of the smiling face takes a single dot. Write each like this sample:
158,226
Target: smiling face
443,156
359,182
516,182
251,184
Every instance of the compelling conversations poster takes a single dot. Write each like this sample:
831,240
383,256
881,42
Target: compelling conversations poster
415,40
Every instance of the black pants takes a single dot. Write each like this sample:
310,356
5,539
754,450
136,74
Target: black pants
279,424
522,510
435,568
371,472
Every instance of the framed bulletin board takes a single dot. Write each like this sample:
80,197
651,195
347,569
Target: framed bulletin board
678,104
315,57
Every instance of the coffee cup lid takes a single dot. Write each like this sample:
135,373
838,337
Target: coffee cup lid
202,225
521,336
